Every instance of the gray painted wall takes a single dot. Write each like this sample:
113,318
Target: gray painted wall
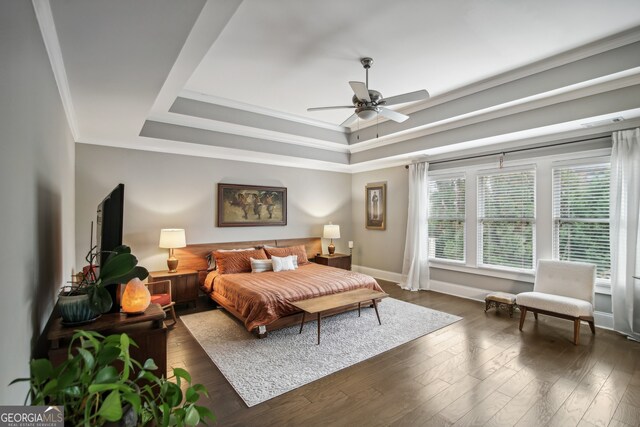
381,249
166,190
36,189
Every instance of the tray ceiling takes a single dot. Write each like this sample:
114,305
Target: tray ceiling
232,79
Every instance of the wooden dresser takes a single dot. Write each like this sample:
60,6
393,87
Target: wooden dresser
147,330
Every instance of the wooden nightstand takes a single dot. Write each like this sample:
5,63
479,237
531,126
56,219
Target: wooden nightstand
184,284
336,260
147,330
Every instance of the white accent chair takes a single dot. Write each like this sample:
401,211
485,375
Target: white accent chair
562,289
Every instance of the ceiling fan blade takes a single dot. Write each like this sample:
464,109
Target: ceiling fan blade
329,108
418,95
393,115
361,91
351,120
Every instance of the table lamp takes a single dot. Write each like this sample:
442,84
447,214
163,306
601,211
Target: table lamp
171,238
136,297
331,232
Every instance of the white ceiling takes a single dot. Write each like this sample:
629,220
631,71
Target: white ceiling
231,79
288,55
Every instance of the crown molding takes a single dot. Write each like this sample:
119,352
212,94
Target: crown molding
442,153
614,41
579,90
230,103
248,131
212,20
47,26
491,144
158,145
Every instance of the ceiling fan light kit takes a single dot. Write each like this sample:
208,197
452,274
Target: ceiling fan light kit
368,103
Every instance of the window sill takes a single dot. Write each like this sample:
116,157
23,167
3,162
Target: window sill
601,288
485,271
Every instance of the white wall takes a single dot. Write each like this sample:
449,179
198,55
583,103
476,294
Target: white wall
166,190
37,193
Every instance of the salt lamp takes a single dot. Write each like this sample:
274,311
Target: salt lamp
136,297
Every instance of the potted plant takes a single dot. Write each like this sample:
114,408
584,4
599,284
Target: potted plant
100,384
87,297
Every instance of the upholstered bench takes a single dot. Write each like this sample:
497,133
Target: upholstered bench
498,299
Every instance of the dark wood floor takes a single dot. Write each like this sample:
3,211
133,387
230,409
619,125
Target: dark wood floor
479,371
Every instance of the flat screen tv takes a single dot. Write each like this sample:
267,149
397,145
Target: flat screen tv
109,223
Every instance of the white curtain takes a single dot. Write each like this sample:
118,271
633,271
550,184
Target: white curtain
625,233
415,267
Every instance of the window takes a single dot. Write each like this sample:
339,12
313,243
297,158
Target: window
506,219
446,218
581,215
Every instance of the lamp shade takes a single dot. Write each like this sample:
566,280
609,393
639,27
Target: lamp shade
172,238
331,231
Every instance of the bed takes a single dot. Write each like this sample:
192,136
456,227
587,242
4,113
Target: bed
262,301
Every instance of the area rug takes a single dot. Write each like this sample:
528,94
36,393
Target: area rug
261,369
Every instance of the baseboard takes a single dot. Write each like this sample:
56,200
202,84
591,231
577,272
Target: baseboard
475,294
378,274
601,319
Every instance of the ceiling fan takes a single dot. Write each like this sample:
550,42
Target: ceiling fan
369,103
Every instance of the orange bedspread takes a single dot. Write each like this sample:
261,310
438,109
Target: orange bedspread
262,298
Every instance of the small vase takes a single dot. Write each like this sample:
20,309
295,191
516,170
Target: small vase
75,309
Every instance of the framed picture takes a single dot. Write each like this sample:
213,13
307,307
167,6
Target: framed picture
376,206
251,205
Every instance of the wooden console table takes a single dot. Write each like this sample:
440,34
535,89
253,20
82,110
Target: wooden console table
147,330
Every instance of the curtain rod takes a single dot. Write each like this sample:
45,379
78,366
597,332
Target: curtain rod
517,150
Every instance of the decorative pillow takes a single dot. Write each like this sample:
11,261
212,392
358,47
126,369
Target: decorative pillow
237,261
211,262
261,265
211,259
284,263
298,251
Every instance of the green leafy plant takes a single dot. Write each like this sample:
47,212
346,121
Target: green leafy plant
119,267
99,382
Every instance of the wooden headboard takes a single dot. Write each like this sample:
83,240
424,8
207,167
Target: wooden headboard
194,257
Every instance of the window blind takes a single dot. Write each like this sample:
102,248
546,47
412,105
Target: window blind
581,215
506,219
447,218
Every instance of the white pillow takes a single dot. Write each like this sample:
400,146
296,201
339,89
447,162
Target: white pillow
284,263
261,265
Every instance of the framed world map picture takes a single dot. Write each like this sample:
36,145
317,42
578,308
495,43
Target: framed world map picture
251,205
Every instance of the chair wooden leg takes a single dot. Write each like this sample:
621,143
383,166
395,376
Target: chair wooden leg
592,326
173,315
523,314
576,331
535,315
